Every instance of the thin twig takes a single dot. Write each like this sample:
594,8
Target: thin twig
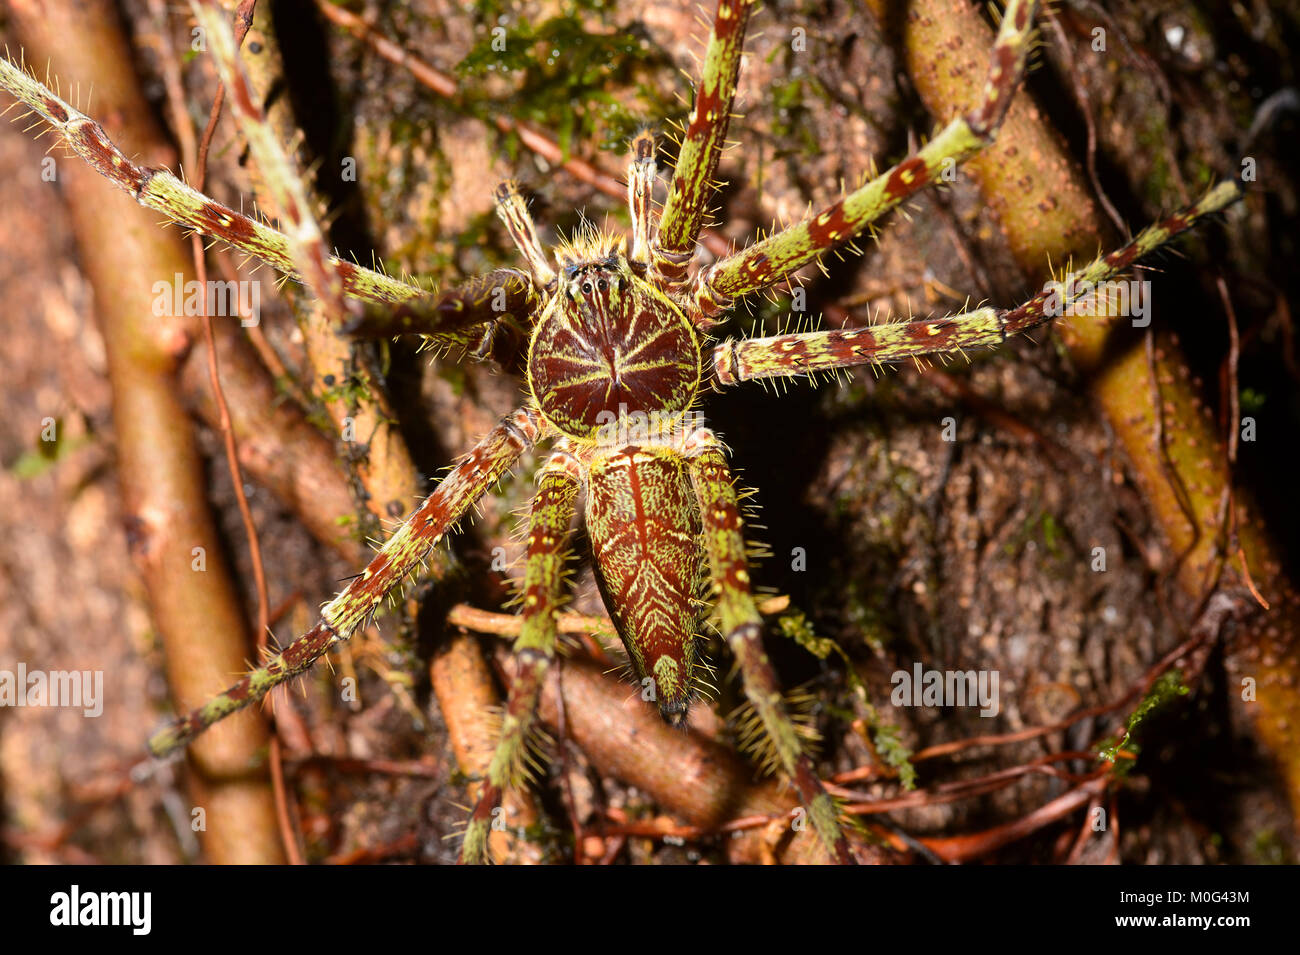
510,625
1081,98
1228,508
244,19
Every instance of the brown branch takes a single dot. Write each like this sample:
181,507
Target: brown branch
469,702
407,845
968,847
200,167
690,775
277,445
1039,196
416,768
197,612
510,625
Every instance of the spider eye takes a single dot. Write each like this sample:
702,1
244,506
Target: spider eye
603,285
586,288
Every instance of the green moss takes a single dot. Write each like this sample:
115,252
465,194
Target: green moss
1159,182
1052,535
456,376
796,626
563,75
870,615
471,237
1251,401
790,114
1168,687
893,752
350,390
1040,527
46,454
885,736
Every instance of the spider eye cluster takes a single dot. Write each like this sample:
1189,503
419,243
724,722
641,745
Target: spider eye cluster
586,284
586,278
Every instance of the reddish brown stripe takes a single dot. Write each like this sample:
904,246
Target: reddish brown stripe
908,177
644,529
55,108
602,339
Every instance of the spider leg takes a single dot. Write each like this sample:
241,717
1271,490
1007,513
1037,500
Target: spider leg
697,161
810,352
548,535
741,623
640,194
490,460
446,317
161,191
501,293
487,316
307,246
513,211
776,257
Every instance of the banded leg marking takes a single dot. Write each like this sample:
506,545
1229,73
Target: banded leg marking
307,246
724,541
706,132
402,554
548,535
810,352
512,209
161,191
765,263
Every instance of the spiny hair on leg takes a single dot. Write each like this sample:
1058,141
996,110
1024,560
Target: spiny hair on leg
752,737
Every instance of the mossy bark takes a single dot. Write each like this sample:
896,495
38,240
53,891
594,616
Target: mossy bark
1046,210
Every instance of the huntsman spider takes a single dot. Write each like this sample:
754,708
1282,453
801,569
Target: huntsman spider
620,353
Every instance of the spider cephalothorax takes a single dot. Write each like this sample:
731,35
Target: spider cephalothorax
610,349
615,362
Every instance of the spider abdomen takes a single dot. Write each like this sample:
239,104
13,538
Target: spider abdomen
612,355
644,526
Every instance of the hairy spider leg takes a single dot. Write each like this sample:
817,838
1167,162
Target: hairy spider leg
697,161
486,316
158,189
480,300
512,209
307,247
549,532
641,173
449,317
742,625
810,352
403,553
764,263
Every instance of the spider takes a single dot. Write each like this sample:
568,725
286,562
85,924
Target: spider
619,355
